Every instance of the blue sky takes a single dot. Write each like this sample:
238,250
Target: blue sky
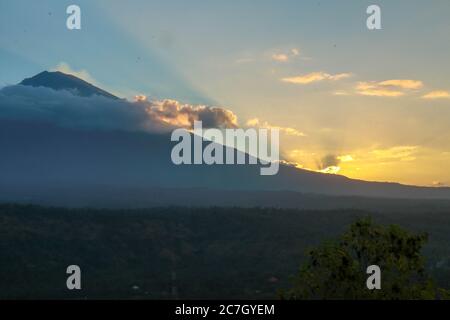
235,54
179,41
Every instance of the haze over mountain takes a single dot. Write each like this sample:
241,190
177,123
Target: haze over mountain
78,156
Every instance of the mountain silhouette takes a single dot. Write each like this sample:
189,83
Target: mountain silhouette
62,81
48,163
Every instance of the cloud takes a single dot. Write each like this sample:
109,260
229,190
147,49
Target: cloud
177,114
329,160
280,57
388,88
328,164
140,98
341,93
404,84
291,164
315,77
346,158
401,153
66,109
331,170
295,52
438,94
285,56
438,184
366,89
255,122
82,74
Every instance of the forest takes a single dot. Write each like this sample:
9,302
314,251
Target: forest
183,252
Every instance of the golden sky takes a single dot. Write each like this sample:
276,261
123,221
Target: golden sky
371,105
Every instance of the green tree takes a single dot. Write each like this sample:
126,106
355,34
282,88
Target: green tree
337,269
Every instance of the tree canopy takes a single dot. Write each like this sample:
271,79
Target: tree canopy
337,269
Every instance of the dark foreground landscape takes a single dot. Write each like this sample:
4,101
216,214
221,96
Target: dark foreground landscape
181,252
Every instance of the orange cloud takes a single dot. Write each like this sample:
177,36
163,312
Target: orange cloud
315,77
255,122
404,84
388,88
176,114
439,94
140,98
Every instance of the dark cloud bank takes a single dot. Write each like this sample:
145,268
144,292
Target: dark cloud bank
66,109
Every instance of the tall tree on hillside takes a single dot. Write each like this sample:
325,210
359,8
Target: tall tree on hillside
337,269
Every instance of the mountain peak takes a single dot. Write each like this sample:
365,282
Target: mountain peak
61,81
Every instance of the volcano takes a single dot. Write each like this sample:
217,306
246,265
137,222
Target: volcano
62,81
61,163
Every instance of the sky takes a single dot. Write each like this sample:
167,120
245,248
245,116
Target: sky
367,104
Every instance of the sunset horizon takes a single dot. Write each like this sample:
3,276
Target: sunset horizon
225,159
346,100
